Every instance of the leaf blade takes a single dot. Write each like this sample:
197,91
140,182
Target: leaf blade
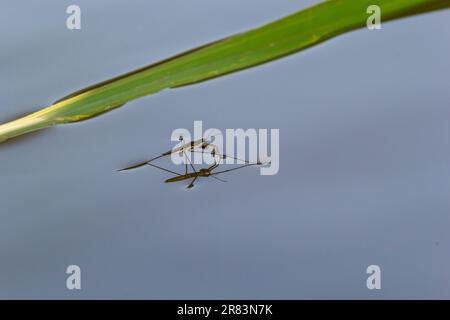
272,41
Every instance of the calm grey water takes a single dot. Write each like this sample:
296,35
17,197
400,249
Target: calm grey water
364,148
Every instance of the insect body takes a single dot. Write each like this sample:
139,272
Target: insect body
204,172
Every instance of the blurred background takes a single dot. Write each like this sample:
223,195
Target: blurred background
364,160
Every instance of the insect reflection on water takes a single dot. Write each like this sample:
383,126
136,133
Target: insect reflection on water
191,147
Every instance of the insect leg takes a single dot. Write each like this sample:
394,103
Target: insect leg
193,169
192,183
185,164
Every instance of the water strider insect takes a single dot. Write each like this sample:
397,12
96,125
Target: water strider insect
203,172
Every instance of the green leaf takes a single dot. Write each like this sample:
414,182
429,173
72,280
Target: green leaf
288,35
